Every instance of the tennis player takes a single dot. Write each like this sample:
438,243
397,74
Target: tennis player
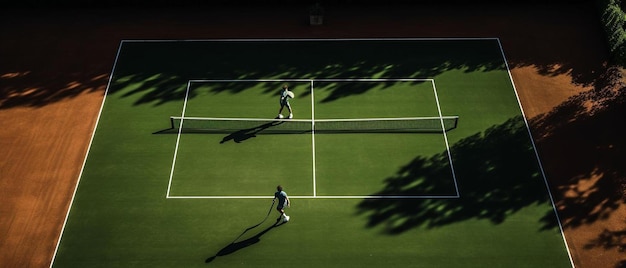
284,101
283,201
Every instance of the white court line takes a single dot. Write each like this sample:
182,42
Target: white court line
82,169
532,140
309,39
375,80
316,79
313,139
246,80
445,138
180,129
312,120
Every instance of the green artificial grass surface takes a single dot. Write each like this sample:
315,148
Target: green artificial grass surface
486,206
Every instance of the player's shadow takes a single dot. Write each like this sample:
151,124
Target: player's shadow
235,246
244,134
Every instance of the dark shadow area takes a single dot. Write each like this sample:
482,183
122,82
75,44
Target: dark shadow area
218,126
242,3
235,246
587,134
497,172
159,71
244,134
610,240
581,142
44,63
50,57
239,129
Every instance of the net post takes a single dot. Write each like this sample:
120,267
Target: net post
175,122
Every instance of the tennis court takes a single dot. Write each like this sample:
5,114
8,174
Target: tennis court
408,152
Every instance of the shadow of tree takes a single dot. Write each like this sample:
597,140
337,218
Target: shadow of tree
19,89
610,240
156,70
586,133
598,152
498,174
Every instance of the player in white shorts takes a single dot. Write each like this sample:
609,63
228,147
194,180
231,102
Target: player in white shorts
283,201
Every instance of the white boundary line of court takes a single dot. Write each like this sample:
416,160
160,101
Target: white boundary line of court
313,159
532,140
309,39
314,195
82,169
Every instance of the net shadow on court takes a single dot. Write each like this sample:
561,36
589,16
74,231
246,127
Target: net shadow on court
242,129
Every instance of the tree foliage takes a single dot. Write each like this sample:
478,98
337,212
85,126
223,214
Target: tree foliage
613,20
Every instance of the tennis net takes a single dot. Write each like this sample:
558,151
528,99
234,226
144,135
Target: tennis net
287,126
